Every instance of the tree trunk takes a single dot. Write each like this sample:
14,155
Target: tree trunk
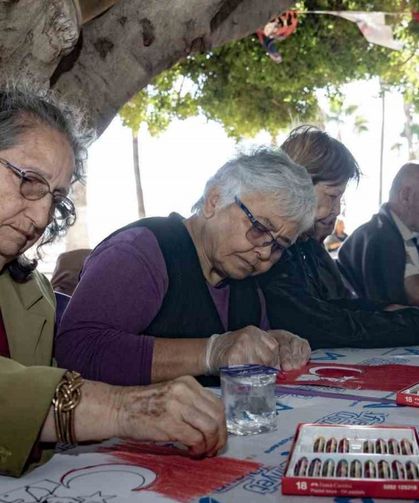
383,118
140,198
77,236
122,49
407,107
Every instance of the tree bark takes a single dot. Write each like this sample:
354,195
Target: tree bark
383,127
78,236
137,173
122,49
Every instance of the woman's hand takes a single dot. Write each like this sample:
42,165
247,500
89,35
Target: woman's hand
247,345
294,351
180,410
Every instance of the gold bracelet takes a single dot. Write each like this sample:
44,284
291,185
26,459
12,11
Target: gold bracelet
66,398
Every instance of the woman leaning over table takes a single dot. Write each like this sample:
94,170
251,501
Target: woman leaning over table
168,296
41,155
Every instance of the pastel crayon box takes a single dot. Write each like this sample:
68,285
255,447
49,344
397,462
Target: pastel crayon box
356,461
409,396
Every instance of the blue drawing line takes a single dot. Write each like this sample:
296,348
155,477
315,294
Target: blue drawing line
303,392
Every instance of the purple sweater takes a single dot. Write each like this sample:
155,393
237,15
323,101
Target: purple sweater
121,290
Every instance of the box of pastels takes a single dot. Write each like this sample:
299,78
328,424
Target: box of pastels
356,461
409,396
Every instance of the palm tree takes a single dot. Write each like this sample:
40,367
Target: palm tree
340,114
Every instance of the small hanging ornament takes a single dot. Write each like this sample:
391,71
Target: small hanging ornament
278,28
281,26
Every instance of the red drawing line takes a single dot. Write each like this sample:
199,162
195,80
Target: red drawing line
179,476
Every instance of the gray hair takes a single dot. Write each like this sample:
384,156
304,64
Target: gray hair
268,171
23,109
405,176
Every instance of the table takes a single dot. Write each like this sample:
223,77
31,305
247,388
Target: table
104,473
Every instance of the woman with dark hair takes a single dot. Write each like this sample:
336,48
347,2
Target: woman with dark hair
304,291
41,155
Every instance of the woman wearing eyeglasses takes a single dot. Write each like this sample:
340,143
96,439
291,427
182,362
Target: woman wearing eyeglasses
168,296
40,156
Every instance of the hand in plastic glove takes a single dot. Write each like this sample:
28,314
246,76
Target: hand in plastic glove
247,345
294,352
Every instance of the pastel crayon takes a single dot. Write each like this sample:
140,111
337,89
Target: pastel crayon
343,445
369,469
314,469
398,470
406,447
412,471
380,446
319,444
384,471
328,468
331,445
301,467
342,469
393,446
368,446
356,469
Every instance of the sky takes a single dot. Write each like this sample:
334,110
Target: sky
175,165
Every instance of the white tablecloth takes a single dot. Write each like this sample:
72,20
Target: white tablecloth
84,475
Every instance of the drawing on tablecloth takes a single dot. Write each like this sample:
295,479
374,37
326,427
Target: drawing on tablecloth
376,377
134,467
170,464
90,484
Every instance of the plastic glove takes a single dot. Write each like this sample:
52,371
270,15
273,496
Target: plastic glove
247,345
294,352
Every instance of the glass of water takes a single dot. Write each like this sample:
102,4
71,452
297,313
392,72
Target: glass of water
249,398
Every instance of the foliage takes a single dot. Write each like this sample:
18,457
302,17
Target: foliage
239,86
339,113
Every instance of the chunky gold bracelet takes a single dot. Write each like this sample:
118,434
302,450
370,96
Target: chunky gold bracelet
66,398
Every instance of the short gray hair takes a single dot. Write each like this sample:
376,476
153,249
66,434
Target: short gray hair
405,176
268,171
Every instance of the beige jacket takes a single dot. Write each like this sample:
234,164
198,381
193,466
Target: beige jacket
27,382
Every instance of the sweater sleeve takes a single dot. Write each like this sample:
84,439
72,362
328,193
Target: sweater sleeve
25,398
120,292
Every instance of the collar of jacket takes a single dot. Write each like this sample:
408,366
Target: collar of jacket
28,315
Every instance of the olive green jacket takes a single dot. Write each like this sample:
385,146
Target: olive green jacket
27,382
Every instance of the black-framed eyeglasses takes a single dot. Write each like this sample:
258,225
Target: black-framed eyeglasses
34,187
259,234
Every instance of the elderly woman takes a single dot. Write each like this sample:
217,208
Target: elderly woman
305,292
40,156
170,296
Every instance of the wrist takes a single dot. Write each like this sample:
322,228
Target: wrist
211,364
96,415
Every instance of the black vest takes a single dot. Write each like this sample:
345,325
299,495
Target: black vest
188,309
